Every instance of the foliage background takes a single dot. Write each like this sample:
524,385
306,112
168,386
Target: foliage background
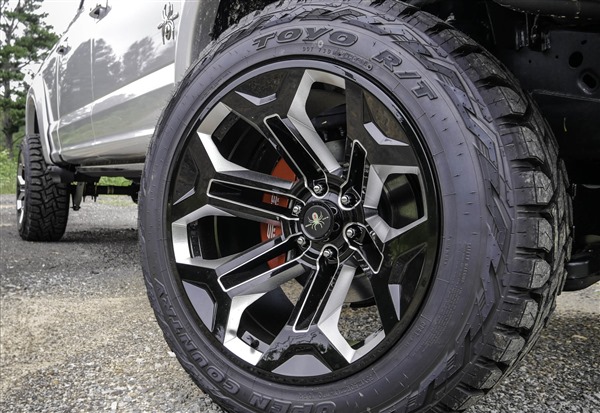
25,39
8,173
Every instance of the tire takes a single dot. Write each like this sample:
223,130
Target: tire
351,207
42,205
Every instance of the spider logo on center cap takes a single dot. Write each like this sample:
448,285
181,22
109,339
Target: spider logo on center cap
317,221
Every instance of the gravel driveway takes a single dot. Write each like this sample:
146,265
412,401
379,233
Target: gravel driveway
77,333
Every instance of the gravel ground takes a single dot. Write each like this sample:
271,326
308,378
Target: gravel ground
77,333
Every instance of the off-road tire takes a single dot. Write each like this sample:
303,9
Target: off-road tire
505,213
42,205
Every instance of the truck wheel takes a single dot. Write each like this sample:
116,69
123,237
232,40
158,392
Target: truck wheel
42,205
351,207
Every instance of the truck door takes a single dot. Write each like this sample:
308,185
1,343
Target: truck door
132,74
73,130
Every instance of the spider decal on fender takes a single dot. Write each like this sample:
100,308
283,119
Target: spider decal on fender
167,26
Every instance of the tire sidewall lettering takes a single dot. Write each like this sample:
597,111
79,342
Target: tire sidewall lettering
289,35
260,402
343,39
311,34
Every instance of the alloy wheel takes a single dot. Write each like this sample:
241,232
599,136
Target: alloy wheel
304,221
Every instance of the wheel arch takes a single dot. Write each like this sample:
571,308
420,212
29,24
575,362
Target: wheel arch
207,20
200,17
37,119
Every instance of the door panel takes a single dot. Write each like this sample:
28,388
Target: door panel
74,95
132,76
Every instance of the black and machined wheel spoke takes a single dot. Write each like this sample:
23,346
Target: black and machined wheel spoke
248,272
203,291
241,193
204,154
352,191
254,109
233,189
190,203
312,326
312,342
300,157
233,273
288,104
387,298
316,294
255,181
368,246
237,282
199,272
381,149
220,313
417,234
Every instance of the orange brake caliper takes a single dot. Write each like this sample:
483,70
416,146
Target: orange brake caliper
269,231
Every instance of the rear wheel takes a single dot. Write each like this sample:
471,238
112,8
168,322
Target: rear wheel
348,208
42,205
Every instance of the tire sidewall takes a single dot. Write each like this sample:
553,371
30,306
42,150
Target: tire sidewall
451,311
25,155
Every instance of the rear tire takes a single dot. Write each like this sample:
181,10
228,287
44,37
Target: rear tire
42,205
486,171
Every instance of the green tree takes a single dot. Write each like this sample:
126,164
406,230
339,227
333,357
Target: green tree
24,39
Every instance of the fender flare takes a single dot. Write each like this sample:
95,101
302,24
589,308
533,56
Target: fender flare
37,115
200,17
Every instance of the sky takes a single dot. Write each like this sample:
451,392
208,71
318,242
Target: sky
60,13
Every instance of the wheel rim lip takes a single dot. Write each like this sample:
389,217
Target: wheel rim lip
21,185
199,114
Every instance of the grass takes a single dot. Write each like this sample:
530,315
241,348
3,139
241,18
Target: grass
8,173
114,181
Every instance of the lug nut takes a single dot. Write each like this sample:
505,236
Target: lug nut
296,210
328,253
351,233
301,241
346,200
318,189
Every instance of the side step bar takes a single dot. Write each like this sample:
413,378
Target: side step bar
583,270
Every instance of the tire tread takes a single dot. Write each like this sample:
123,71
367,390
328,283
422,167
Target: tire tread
46,202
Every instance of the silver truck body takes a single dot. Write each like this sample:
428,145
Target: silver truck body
98,96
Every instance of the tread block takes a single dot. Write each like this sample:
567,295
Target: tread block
519,313
504,347
530,273
483,376
535,233
533,188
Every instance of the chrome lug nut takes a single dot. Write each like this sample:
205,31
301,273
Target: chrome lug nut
318,189
296,210
301,241
346,200
351,233
328,253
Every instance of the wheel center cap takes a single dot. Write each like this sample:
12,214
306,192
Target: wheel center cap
317,221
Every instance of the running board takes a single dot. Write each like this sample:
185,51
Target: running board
583,270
